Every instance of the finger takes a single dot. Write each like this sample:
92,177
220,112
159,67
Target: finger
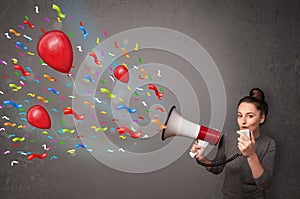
240,139
238,132
243,145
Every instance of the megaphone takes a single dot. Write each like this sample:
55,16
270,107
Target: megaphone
176,125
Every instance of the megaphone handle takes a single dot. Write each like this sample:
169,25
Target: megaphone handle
200,143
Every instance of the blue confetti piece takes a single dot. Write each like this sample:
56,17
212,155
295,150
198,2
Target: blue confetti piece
11,135
68,85
89,78
60,131
115,63
50,137
27,101
20,44
37,81
54,109
28,68
53,157
80,145
24,78
22,113
53,90
23,119
9,102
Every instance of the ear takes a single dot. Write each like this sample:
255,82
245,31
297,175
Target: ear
262,118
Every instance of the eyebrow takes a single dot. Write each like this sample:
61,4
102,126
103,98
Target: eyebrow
247,113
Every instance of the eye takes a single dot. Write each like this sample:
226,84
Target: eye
250,116
239,116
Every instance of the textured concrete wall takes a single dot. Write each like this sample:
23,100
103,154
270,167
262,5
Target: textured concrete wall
253,43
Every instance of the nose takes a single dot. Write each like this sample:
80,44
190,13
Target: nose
244,120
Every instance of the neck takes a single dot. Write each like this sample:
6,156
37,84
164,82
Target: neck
256,134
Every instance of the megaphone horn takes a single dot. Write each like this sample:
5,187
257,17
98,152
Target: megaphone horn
178,126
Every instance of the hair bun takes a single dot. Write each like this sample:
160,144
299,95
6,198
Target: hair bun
257,94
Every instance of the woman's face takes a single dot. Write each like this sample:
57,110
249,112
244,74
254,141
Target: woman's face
249,117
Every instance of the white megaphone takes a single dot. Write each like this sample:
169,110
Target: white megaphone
176,125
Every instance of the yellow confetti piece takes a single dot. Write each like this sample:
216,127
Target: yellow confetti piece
103,112
31,94
20,126
44,133
15,87
129,88
122,137
18,139
14,60
57,9
71,151
101,129
148,94
30,53
105,90
58,19
136,46
71,131
121,100
98,40
125,65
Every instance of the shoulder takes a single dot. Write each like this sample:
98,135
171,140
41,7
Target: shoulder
267,141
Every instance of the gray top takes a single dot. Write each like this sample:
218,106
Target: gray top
238,182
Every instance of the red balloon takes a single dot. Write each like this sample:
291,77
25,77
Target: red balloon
55,49
38,117
121,73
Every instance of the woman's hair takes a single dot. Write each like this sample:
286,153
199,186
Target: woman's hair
257,98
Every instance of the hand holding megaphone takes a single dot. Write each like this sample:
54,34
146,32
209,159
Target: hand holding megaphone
198,148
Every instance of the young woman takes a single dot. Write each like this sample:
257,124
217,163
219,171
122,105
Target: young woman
247,176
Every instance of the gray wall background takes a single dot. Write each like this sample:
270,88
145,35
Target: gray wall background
253,43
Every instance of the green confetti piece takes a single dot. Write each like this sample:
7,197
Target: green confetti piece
140,60
102,81
161,90
18,74
63,122
49,99
71,34
147,111
26,17
31,141
136,93
62,142
21,109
